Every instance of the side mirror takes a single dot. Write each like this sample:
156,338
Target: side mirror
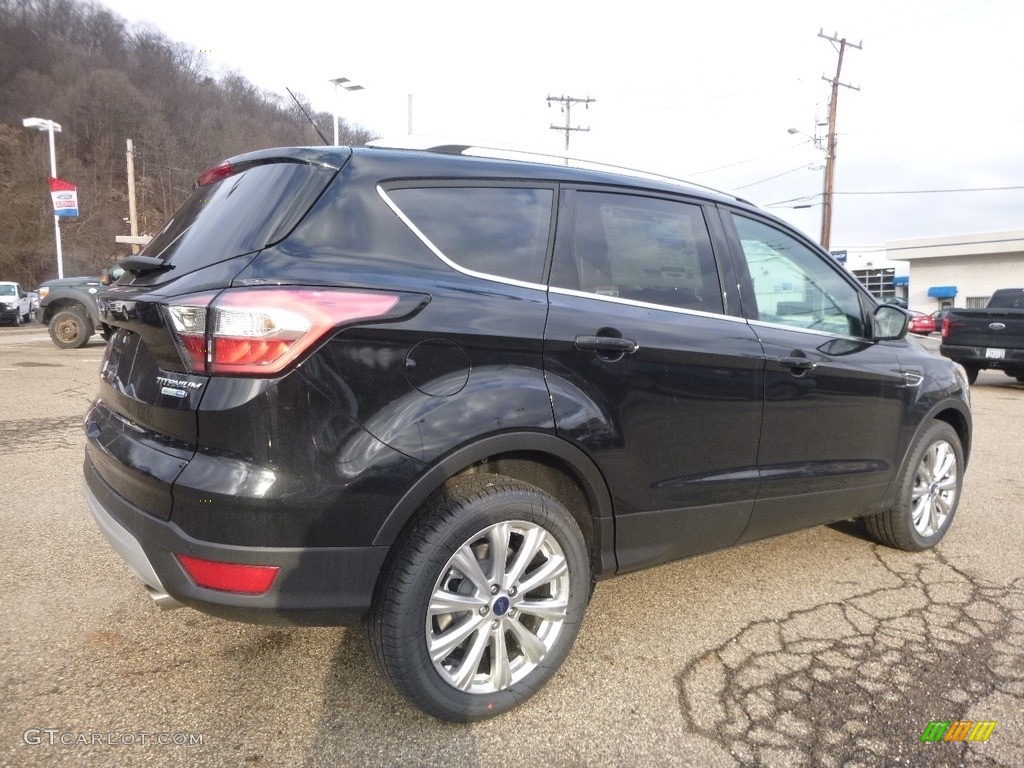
889,323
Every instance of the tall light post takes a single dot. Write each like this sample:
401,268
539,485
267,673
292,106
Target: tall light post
50,127
348,85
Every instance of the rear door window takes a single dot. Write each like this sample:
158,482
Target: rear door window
490,231
643,249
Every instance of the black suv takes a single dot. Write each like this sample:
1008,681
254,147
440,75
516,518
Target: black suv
444,394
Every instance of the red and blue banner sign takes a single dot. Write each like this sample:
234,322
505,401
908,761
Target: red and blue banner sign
65,197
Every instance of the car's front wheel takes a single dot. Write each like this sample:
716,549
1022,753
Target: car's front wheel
482,599
929,492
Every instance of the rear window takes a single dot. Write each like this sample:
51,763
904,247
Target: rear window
240,214
1007,299
499,231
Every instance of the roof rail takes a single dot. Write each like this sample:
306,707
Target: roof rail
454,146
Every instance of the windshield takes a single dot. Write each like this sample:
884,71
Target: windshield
8,290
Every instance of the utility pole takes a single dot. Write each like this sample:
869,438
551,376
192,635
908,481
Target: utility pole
567,102
830,147
133,221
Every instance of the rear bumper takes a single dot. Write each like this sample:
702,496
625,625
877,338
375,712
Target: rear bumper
978,357
315,586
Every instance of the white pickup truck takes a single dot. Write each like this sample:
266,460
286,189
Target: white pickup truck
15,304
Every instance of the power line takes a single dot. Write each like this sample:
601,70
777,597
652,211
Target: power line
804,198
748,160
777,175
933,191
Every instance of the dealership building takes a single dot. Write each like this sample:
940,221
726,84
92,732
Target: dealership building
936,272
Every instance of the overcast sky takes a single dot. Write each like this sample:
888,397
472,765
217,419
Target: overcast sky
703,91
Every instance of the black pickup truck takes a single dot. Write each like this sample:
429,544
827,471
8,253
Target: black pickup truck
988,338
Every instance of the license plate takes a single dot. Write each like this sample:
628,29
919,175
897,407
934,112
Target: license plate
995,354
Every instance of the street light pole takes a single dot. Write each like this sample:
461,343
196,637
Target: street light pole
50,127
348,85
826,211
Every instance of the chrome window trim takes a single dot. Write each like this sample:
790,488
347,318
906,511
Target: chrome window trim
813,332
437,251
644,304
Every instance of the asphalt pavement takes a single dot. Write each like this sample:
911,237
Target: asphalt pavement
818,648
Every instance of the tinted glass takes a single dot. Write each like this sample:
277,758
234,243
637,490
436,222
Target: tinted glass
240,214
1013,299
795,285
500,231
643,249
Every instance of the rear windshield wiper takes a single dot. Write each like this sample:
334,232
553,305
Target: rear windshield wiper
138,265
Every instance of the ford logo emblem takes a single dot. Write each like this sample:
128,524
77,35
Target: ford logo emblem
997,326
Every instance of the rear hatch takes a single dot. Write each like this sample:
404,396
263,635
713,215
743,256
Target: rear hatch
142,429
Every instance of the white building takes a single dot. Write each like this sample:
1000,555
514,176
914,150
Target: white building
959,270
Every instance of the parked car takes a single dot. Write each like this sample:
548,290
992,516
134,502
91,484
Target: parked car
442,395
938,316
15,304
921,324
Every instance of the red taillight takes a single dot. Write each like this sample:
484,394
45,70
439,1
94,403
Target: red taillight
216,173
948,325
259,331
230,577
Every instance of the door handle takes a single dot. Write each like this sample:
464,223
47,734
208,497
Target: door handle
607,344
802,363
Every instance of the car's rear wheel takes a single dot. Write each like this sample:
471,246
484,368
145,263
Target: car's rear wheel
482,599
70,329
972,373
929,492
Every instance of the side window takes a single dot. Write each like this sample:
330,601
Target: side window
641,248
500,231
794,285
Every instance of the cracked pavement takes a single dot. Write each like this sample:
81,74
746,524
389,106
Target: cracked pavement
849,680
818,648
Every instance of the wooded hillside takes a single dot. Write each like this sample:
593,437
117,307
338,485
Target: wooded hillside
105,81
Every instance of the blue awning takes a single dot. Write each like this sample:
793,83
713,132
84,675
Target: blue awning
942,291
901,280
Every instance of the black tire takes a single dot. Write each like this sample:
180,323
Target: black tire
471,516
972,373
926,504
70,329
106,331
17,318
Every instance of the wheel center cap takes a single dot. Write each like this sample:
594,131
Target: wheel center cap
500,606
